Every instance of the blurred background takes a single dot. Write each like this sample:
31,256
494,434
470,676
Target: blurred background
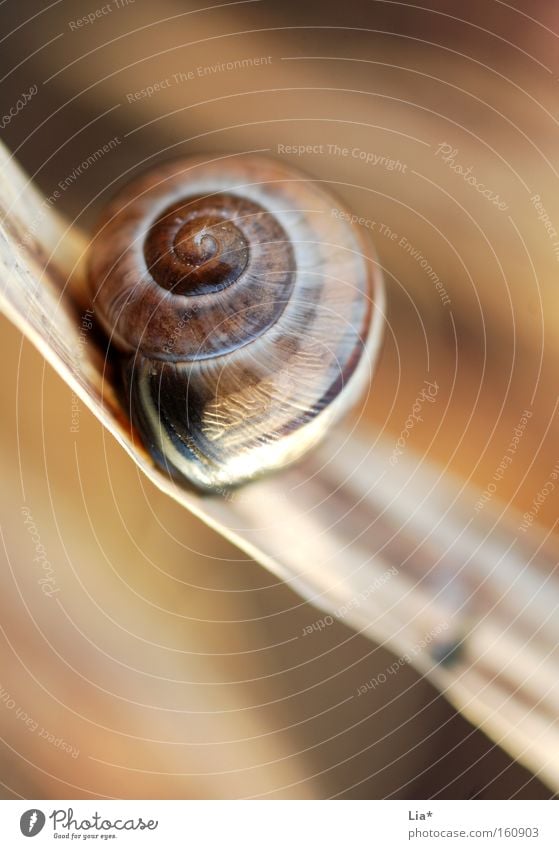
167,664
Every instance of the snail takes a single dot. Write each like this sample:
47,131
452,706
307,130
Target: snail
245,310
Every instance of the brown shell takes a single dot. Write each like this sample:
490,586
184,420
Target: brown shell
245,308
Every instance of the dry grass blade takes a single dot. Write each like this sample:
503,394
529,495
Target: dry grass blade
393,552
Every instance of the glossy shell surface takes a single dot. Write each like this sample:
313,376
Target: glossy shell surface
246,310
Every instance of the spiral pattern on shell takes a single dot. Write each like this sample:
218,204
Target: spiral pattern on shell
245,308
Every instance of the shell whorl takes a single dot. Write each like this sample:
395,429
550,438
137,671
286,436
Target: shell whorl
245,309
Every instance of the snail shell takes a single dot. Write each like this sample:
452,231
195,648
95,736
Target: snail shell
245,309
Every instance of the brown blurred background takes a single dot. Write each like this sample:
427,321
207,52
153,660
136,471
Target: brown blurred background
175,665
